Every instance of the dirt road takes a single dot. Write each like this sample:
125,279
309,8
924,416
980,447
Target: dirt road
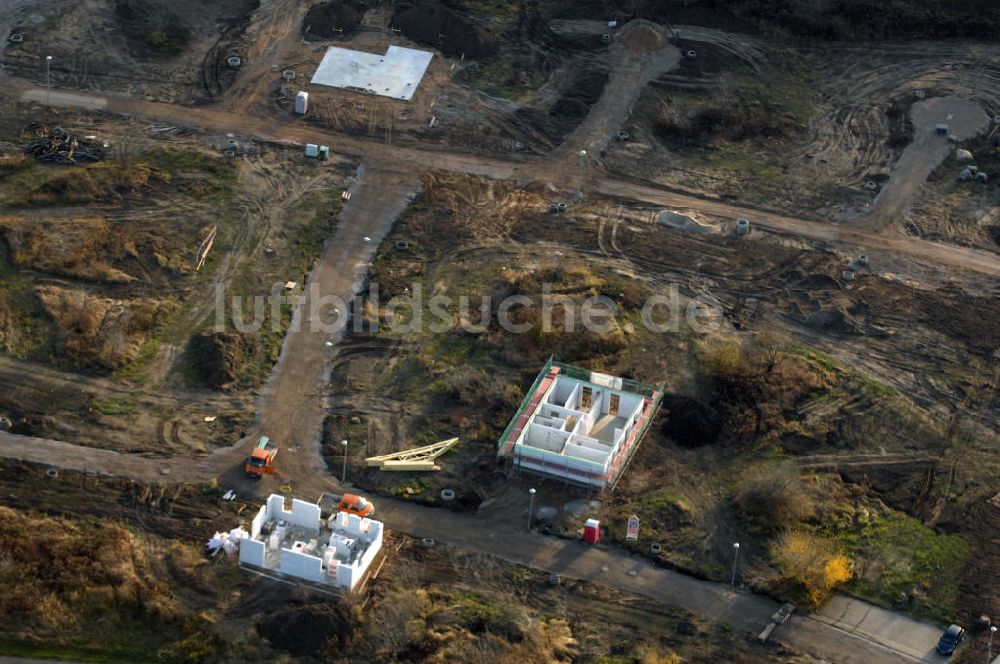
933,262
293,405
921,261
640,53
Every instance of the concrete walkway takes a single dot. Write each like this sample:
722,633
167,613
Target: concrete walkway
914,640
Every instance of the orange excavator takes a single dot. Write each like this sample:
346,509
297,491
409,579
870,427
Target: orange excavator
261,460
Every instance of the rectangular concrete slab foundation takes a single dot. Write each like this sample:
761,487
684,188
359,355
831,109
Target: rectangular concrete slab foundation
395,74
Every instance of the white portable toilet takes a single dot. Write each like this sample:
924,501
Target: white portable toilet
302,102
312,150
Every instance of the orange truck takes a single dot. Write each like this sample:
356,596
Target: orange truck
353,504
261,460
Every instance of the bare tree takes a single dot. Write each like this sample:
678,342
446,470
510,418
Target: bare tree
125,143
772,348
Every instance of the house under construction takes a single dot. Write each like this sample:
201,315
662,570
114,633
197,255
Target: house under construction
580,426
298,543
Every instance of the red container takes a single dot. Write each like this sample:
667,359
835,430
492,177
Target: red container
592,531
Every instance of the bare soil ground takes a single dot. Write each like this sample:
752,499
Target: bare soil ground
795,129
964,212
884,383
853,350
99,278
166,50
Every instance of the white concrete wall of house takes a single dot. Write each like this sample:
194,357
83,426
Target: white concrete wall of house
599,407
252,552
599,457
346,575
301,565
305,515
591,444
258,522
546,438
563,391
550,460
629,403
275,507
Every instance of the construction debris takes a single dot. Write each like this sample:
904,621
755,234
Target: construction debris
206,246
62,147
226,541
780,617
419,458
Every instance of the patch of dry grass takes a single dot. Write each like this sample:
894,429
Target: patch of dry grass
80,248
94,330
56,575
103,182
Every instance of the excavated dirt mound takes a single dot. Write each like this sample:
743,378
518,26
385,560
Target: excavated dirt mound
307,630
331,19
221,357
689,422
440,27
643,39
151,31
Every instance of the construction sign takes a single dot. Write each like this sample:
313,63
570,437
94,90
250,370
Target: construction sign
632,534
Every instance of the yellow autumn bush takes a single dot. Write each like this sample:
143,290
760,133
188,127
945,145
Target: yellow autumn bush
812,561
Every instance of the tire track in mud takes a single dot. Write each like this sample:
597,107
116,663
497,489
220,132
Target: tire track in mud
845,141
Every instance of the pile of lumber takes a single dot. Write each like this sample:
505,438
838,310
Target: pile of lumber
419,458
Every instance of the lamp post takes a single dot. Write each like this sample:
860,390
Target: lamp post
48,77
989,656
579,191
343,475
736,560
531,506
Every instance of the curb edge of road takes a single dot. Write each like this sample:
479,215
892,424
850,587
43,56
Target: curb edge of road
858,635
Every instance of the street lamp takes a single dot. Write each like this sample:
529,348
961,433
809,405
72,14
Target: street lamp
531,506
48,77
343,476
736,559
989,656
579,191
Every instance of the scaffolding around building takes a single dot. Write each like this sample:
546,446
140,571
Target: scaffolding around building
580,426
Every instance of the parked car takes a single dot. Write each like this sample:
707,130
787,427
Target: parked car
952,636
